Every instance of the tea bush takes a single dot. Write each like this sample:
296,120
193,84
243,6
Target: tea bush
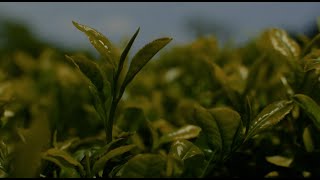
198,110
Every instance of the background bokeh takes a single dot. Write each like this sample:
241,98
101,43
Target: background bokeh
229,21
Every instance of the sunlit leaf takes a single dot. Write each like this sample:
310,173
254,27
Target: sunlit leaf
65,156
269,116
185,132
144,166
100,163
180,152
279,160
99,41
280,41
309,106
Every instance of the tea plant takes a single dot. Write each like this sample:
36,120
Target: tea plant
197,111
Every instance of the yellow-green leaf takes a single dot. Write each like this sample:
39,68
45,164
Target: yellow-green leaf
99,41
185,132
65,156
280,41
269,116
307,139
279,160
180,152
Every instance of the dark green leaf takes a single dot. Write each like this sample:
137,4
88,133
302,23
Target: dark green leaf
312,60
125,53
309,106
140,59
185,132
99,41
69,172
100,163
144,166
89,68
228,122
103,150
269,116
209,127
181,151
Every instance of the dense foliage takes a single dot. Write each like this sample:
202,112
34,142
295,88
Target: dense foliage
197,110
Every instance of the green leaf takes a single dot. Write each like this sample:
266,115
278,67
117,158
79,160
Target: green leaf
68,172
105,149
307,139
185,132
89,68
209,127
65,156
279,160
99,41
309,106
144,166
311,61
180,152
310,45
280,41
125,53
228,122
269,116
100,163
140,59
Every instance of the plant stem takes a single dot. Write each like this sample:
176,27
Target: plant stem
110,121
206,168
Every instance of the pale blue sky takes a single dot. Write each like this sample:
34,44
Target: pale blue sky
52,20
